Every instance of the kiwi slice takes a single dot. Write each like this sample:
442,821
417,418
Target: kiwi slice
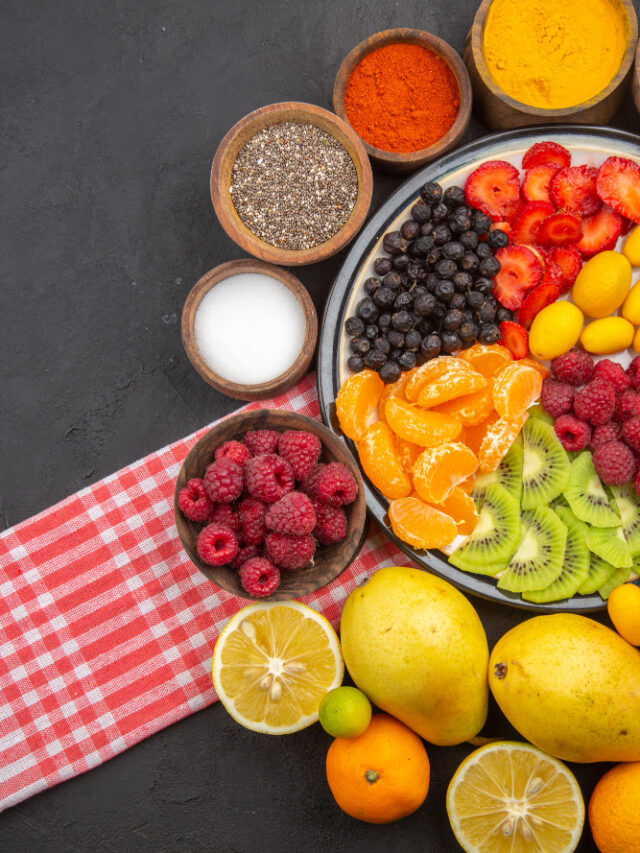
618,577
545,467
538,560
609,544
599,573
575,568
586,495
539,414
495,536
627,502
508,474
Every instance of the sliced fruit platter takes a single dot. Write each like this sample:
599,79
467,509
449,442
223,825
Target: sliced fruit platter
476,348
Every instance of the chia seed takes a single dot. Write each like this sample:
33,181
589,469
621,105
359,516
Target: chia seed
293,185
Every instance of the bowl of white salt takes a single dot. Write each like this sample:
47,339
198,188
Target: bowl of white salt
249,328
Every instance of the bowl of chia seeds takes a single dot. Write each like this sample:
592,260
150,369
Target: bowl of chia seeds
291,183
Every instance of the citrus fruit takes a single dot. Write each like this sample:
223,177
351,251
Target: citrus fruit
631,308
380,462
614,810
631,248
407,453
473,434
421,525
509,797
451,384
429,372
515,388
356,400
273,663
469,409
531,362
438,470
467,485
345,712
486,358
623,606
462,509
497,439
555,330
606,336
381,776
412,423
602,284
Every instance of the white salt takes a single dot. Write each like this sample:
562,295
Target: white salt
249,328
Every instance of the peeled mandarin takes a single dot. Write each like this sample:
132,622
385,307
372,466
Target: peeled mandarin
631,248
555,330
602,284
606,336
414,424
623,606
421,525
356,400
631,307
438,470
469,409
430,371
379,459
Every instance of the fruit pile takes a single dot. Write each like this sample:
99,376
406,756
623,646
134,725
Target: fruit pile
267,502
437,425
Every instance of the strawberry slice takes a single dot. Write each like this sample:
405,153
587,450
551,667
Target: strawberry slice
627,225
520,270
568,260
494,188
618,185
546,152
559,229
600,232
535,186
515,338
574,187
535,300
552,273
527,222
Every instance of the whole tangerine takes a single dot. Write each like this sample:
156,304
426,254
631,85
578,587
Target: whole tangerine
623,606
614,810
381,776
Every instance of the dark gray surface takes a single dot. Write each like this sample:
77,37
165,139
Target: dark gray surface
111,115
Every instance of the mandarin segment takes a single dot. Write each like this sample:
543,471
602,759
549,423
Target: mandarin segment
356,400
429,372
380,462
421,525
451,384
407,453
412,423
461,507
486,358
496,442
468,484
515,388
531,362
473,435
470,409
438,470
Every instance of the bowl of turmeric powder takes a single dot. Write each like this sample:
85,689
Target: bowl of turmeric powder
541,61
407,95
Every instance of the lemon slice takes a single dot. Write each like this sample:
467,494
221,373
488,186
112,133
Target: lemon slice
509,797
273,663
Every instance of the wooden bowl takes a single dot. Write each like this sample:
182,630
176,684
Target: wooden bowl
240,134
392,161
330,560
263,390
635,79
499,111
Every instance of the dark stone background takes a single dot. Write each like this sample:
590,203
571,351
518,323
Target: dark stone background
111,113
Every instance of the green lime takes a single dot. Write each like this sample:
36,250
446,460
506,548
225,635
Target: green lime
345,712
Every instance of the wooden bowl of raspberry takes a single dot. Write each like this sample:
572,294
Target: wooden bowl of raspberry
271,504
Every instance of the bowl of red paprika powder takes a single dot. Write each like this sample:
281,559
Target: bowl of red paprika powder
407,95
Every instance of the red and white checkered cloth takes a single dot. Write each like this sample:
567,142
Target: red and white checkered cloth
106,627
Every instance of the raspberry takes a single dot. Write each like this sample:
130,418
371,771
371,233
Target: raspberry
336,485
194,502
556,397
595,402
633,372
614,463
259,577
572,433
268,477
613,373
627,405
636,482
332,524
217,545
252,512
293,514
225,514
262,441
301,450
244,554
631,432
290,552
603,434
308,484
574,367
223,481
234,450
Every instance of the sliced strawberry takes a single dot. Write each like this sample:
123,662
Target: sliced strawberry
559,229
515,338
552,273
546,152
568,260
574,188
535,186
618,186
527,222
627,225
520,270
535,300
494,188
599,232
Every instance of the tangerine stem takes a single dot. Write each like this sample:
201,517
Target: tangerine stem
371,776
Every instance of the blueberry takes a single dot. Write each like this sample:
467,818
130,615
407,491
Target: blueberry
434,255
394,354
497,239
460,223
371,332
439,212
355,363
503,315
415,270
430,282
445,268
424,305
469,239
431,192
452,320
412,340
462,281
367,310
468,331
421,212
431,345
489,267
441,234
426,228
454,196
489,333
445,290
400,262
407,360
469,262
484,251
384,297
474,299
483,285
459,301
354,326
382,344
382,265
374,359
371,285
421,246
403,301
360,346
450,342
410,229
390,372
402,321
394,243
480,222
384,322
396,339
392,280
453,250
486,313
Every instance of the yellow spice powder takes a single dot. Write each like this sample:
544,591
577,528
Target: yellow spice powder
554,53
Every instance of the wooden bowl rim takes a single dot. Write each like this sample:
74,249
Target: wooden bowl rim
477,31
637,62
431,42
266,116
332,445
260,390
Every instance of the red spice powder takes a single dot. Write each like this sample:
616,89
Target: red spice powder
401,97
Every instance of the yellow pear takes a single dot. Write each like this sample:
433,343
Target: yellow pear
571,686
417,648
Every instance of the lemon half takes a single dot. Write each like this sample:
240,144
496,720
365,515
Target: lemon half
273,663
